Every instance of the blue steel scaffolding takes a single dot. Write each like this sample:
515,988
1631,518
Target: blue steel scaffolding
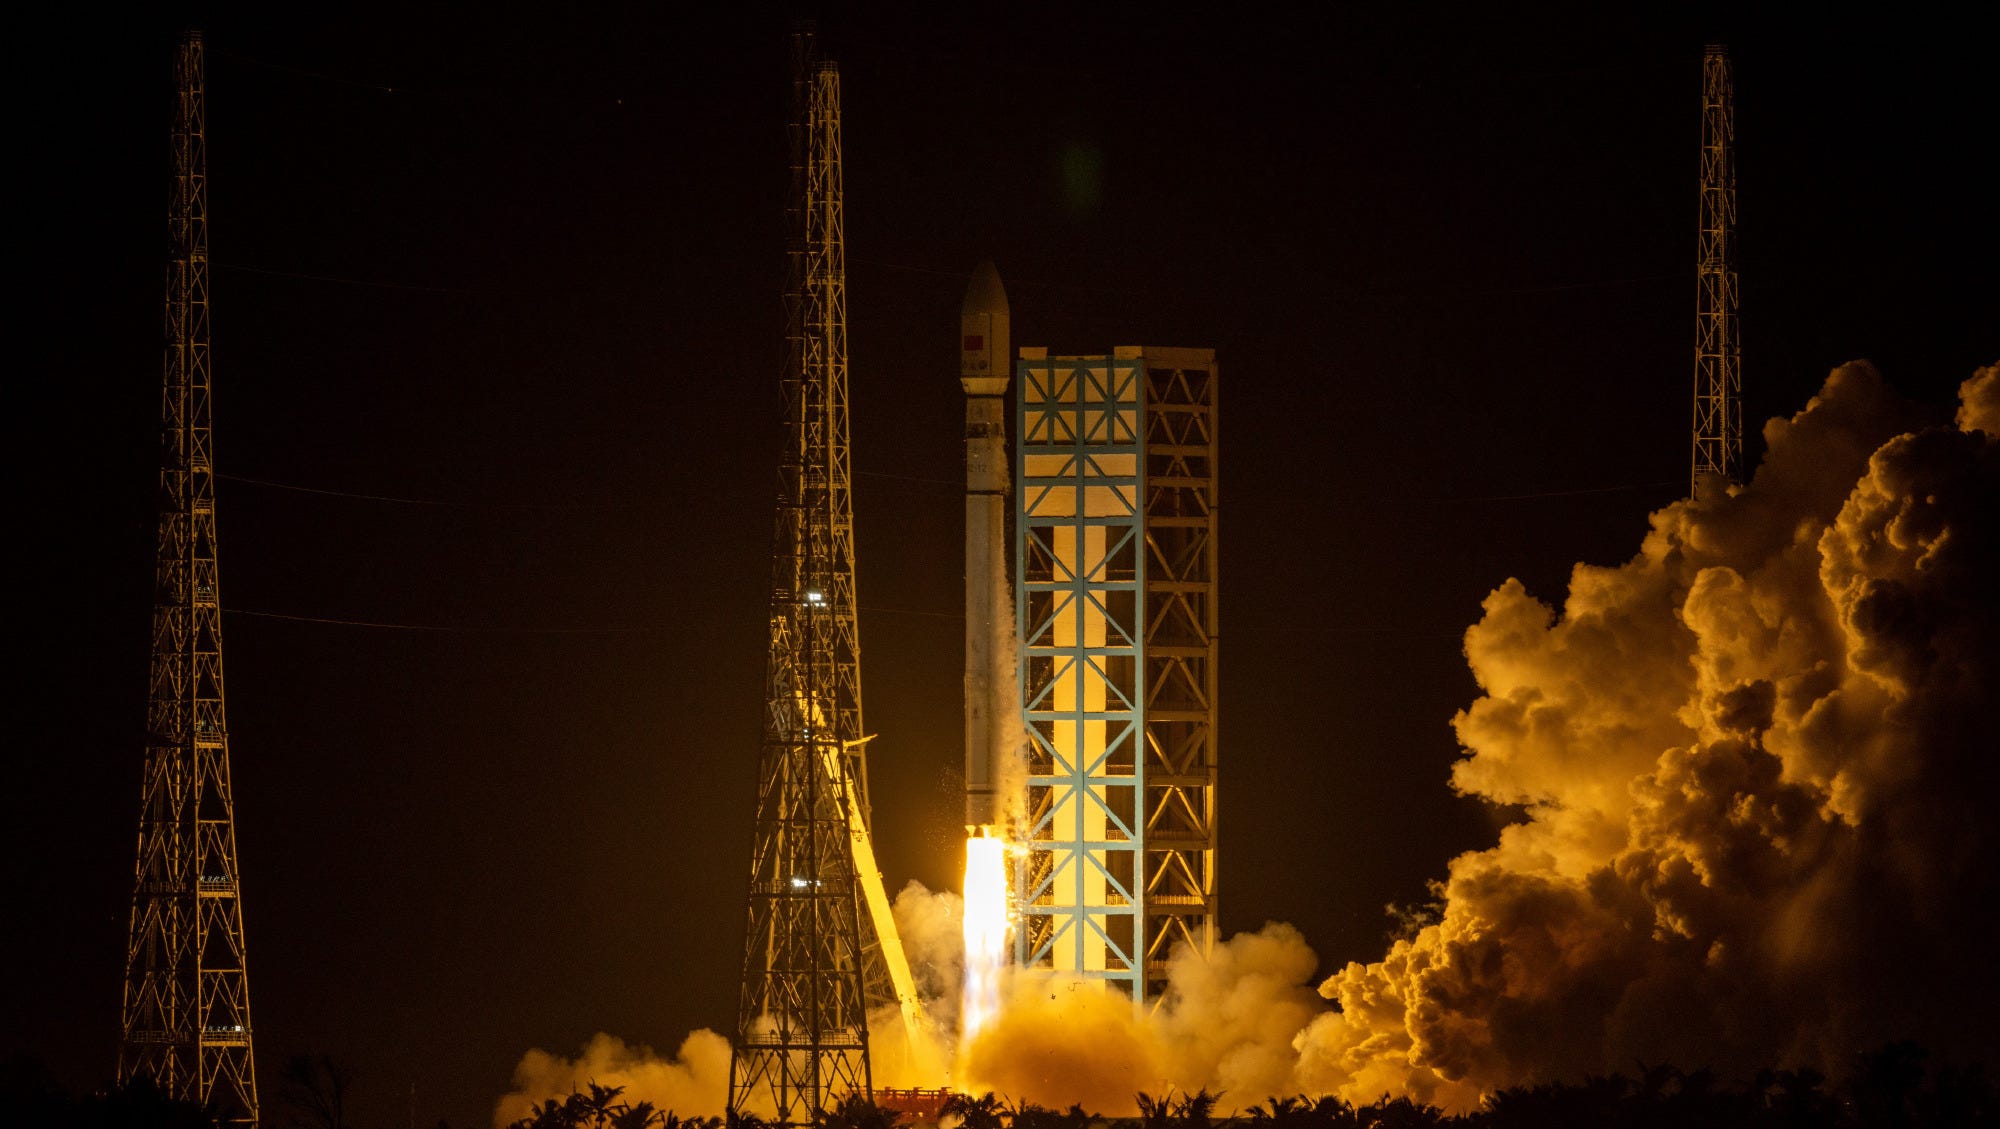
1079,607
1114,541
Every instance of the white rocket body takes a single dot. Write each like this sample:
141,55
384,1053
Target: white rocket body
984,367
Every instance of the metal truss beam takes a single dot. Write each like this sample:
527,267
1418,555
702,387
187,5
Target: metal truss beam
1115,541
820,952
1718,377
186,1014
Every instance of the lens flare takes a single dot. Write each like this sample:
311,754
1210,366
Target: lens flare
985,931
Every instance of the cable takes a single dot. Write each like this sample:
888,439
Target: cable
239,57
1566,493
443,503
238,267
489,629
907,478
1591,284
1388,499
444,628
914,611
392,499
1344,292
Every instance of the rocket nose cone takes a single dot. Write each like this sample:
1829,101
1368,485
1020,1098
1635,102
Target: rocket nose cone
982,356
985,295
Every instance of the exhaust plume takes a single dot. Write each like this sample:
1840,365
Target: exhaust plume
1227,1024
929,926
693,1083
1757,762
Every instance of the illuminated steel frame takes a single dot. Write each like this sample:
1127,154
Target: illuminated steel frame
821,951
1718,358
186,1012
802,1022
1115,543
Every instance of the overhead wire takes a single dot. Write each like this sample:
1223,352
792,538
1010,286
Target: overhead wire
635,629
1350,499
1452,499
286,68
1421,290
436,502
334,278
1621,489
509,629
458,629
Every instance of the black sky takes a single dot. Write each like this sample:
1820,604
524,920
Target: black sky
526,266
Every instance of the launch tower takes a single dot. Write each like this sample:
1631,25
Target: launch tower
187,998
1115,595
821,950
1718,378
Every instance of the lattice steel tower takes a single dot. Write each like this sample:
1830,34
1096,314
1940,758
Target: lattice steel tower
187,1001
1115,534
821,950
1718,376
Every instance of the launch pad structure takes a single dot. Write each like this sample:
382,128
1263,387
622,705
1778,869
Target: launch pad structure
1718,353
186,1011
821,951
1116,531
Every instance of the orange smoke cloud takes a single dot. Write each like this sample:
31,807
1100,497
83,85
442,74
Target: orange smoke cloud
1058,1041
1226,1025
1758,764
693,1083
931,926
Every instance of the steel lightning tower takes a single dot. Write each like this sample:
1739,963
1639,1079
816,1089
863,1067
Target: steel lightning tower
1718,376
821,950
187,1000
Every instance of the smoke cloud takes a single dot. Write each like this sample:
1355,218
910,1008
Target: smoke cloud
934,941
693,1083
1757,762
929,924
1227,1024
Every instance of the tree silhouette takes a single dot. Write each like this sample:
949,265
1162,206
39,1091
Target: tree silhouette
1885,1088
139,1104
1154,1113
29,1096
598,1107
982,1112
1960,1098
1401,1113
1189,1111
1032,1116
1894,1087
314,1088
1793,1099
856,1112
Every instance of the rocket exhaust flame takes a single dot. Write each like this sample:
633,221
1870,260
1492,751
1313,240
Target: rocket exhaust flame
985,931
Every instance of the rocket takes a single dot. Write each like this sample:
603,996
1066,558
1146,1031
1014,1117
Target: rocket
984,365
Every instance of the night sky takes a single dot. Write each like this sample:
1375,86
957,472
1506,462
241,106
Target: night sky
500,298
